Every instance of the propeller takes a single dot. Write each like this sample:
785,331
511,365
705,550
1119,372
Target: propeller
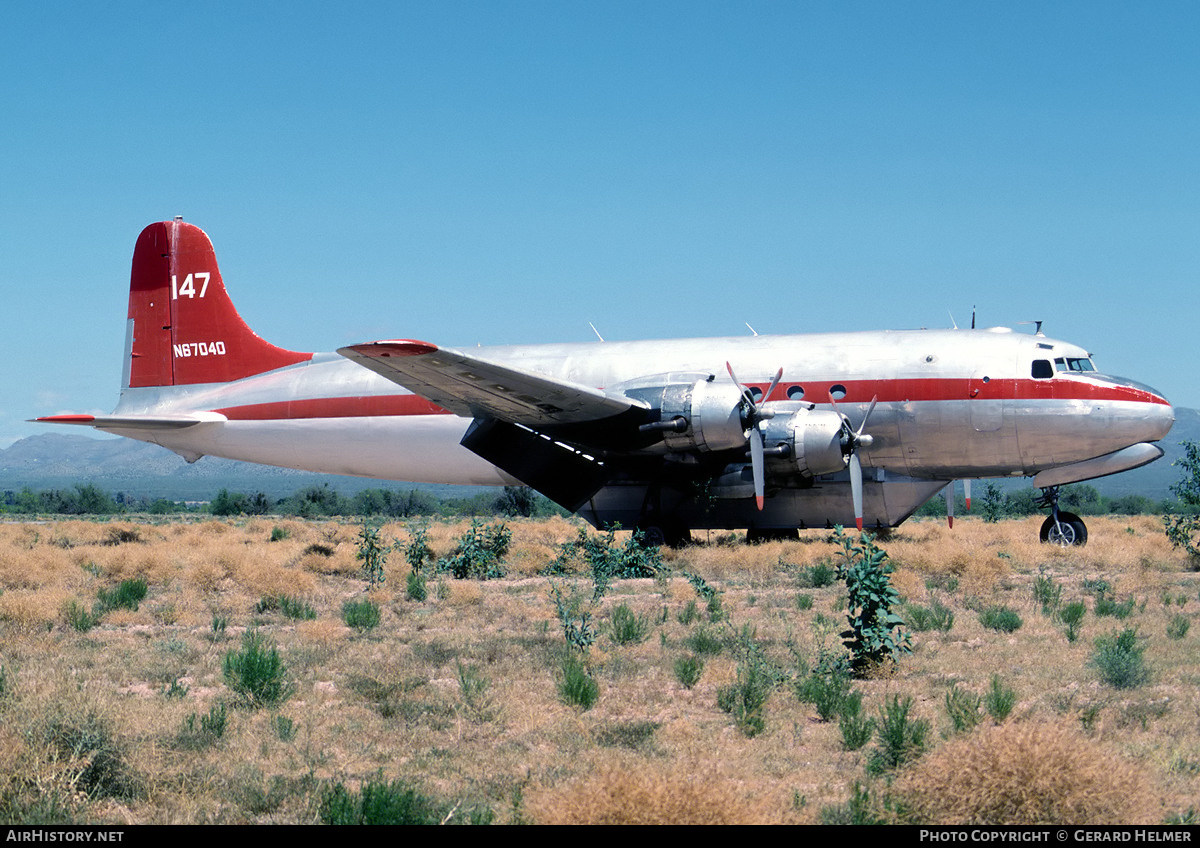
949,495
852,442
752,415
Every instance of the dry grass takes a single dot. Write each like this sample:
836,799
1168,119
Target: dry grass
390,701
1028,773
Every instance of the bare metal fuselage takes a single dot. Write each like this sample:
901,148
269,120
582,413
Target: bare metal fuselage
950,404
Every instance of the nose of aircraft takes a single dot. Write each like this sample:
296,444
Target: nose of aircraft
1160,416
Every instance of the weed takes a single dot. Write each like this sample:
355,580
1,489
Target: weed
200,732
608,561
705,642
901,737
964,709
826,692
1071,615
818,575
175,690
478,553
127,595
1118,659
576,686
575,616
80,618
804,601
874,636
861,809
473,692
284,727
372,553
1119,610
257,673
1178,626
936,616
361,615
415,588
296,609
999,700
381,802
278,534
634,735
689,613
417,552
746,698
1047,593
856,726
1000,618
627,627
688,669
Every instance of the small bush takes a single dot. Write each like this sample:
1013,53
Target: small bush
257,673
576,686
381,802
689,613
200,732
1178,627
826,692
80,617
1071,615
999,700
818,576
478,553
296,609
1118,659
688,669
1119,610
964,709
128,595
1000,618
415,588
901,737
361,615
1047,593
278,534
705,642
1025,774
627,627
856,727
936,616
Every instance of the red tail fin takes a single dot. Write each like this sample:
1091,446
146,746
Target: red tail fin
185,329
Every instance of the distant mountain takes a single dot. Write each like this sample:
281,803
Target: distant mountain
60,460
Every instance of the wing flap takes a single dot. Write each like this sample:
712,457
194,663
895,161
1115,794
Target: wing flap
473,387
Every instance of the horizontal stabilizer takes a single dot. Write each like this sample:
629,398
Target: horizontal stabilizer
473,387
135,422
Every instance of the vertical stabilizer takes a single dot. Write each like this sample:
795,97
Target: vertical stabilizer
184,327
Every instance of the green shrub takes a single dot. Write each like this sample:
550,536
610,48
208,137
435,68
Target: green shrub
361,615
999,700
1071,615
381,802
856,726
705,642
257,673
128,595
576,686
936,616
689,613
372,552
478,553
296,609
1178,627
200,732
818,575
285,728
826,692
1106,605
628,628
901,737
80,617
415,587
1118,658
1000,618
473,687
1047,593
278,534
964,709
875,634
688,669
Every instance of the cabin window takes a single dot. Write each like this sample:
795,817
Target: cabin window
1074,363
795,392
1042,368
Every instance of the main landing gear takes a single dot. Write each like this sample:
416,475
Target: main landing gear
1061,528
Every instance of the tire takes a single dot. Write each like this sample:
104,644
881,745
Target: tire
1070,531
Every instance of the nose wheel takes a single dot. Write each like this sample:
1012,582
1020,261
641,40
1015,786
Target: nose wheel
1065,529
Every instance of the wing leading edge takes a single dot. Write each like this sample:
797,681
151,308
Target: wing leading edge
477,388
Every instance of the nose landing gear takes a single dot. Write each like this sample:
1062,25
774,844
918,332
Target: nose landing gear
1064,529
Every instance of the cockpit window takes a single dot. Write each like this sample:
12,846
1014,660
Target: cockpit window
1074,363
1042,368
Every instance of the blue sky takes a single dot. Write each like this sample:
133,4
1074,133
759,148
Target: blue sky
500,172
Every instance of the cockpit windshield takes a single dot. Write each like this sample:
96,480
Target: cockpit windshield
1074,363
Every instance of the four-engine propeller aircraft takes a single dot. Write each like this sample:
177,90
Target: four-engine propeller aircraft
659,435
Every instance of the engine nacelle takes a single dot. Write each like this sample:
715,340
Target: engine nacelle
695,414
813,441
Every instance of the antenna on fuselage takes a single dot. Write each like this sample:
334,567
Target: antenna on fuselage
1037,330
953,323
972,316
752,330
594,330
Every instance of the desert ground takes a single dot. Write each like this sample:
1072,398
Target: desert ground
125,711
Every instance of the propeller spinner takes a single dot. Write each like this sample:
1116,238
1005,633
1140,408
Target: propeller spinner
852,442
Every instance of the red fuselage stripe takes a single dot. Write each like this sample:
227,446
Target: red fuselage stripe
857,391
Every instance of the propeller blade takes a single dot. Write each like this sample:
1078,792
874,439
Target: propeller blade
967,491
774,383
756,465
949,493
856,488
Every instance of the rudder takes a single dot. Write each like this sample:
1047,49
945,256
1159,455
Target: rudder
184,328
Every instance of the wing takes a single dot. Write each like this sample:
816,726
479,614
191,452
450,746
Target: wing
477,388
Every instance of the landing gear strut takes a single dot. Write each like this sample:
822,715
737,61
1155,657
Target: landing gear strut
1061,528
